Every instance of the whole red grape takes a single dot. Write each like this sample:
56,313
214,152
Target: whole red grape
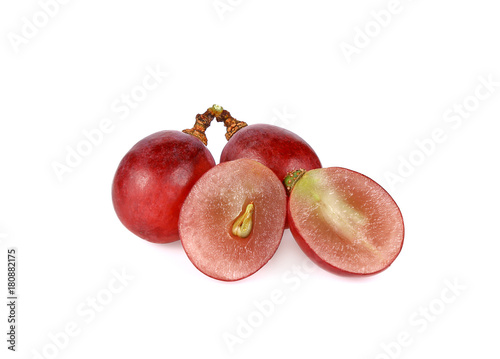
279,149
153,180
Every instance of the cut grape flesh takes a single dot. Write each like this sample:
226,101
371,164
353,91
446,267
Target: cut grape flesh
233,219
345,221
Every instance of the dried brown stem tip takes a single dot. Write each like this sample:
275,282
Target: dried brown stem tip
203,121
232,124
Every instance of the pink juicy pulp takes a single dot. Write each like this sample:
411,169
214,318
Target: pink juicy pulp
215,201
345,221
279,149
152,181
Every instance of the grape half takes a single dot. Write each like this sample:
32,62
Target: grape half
233,219
344,221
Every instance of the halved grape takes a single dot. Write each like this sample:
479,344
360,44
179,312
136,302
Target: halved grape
233,219
345,221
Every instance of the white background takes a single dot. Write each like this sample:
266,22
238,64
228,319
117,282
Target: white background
275,62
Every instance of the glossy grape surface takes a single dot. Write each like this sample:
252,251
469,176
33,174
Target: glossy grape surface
277,148
153,180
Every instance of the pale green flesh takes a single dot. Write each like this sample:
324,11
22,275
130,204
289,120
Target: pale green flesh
346,220
342,217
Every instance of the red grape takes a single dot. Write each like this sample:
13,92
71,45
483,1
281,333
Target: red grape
279,149
154,178
344,221
233,219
